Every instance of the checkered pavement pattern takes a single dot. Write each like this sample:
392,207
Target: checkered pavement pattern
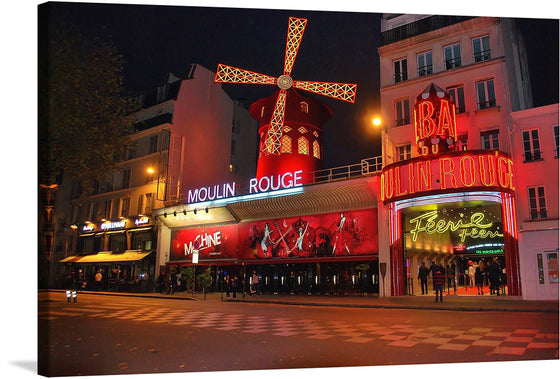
502,341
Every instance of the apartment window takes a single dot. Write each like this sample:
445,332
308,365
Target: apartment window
107,208
125,206
303,146
555,131
490,140
149,202
452,56
402,112
481,48
531,145
404,152
126,178
93,211
153,144
537,203
425,63
485,94
458,95
462,143
400,70
140,209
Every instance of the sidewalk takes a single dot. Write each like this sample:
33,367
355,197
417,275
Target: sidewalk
450,302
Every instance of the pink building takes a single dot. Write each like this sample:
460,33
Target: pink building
480,63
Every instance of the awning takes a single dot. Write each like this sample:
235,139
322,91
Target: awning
105,257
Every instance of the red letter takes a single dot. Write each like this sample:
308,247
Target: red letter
443,173
490,171
426,124
464,170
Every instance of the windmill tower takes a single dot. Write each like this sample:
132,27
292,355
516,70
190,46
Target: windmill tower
289,123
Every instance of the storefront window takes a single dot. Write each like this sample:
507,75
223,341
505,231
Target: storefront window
552,261
142,240
117,242
540,268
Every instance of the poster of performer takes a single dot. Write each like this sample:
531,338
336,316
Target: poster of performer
333,234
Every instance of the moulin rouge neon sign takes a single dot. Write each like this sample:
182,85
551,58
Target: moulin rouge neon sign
256,185
434,121
475,227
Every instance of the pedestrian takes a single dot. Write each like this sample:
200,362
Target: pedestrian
255,283
449,276
178,280
161,282
98,279
227,285
439,280
470,273
479,278
423,273
494,277
234,287
433,268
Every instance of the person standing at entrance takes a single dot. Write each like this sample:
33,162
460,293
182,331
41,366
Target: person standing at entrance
470,273
98,279
256,283
439,280
479,278
423,273
494,277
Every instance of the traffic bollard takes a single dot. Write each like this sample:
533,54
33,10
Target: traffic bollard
68,295
75,296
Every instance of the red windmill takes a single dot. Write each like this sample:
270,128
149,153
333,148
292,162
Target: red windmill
286,117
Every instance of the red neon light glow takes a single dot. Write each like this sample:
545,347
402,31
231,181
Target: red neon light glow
446,121
426,125
450,171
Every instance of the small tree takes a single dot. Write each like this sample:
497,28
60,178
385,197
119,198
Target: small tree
205,280
187,274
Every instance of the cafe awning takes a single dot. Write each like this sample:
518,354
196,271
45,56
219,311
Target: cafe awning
107,257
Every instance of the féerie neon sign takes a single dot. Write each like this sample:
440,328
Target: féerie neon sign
475,227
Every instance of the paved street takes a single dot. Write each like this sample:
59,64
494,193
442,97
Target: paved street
104,335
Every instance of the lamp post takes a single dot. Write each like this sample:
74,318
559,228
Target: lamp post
379,124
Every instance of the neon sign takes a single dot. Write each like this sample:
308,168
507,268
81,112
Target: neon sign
475,227
113,225
434,121
450,171
256,185
88,228
142,220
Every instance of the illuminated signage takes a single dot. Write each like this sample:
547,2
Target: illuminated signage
450,171
113,225
256,185
142,221
434,121
276,182
474,227
211,193
203,241
88,228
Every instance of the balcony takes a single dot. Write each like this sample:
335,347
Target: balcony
165,118
422,26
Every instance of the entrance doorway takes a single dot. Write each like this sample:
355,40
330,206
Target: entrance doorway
458,236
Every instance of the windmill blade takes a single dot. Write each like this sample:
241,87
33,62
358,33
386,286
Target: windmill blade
296,27
273,140
340,91
229,74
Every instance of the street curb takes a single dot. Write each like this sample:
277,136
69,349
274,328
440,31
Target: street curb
396,306
212,297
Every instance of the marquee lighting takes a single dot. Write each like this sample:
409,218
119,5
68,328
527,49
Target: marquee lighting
466,170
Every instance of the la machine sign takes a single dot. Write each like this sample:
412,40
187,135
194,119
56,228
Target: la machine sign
256,185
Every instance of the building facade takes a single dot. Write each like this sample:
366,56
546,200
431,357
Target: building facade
187,131
480,63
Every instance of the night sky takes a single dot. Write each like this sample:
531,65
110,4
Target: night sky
337,47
